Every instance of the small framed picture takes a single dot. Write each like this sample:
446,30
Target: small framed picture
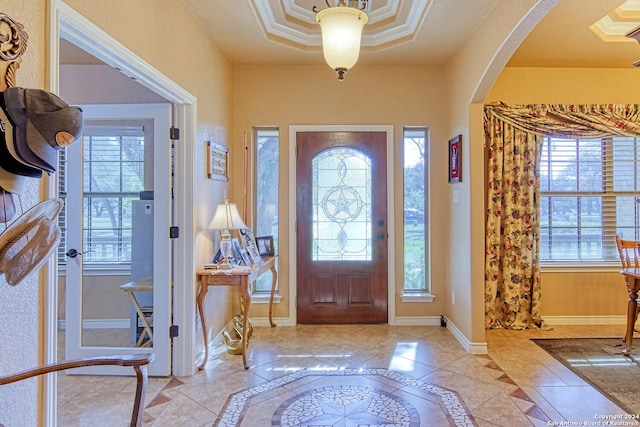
246,258
265,246
237,251
249,243
455,159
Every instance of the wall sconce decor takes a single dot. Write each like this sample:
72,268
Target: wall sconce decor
341,28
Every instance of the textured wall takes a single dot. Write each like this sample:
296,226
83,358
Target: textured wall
20,305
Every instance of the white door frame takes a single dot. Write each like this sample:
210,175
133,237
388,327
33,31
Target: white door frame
161,270
66,22
293,250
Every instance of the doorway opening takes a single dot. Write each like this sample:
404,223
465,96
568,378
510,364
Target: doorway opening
66,24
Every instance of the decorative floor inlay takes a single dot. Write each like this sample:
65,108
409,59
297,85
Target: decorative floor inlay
346,405
346,402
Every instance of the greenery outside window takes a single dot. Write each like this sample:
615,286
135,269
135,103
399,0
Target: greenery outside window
113,158
267,159
416,253
588,194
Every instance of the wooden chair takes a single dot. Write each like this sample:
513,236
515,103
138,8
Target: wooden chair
138,362
629,252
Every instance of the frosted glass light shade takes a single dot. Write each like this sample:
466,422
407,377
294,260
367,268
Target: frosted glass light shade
341,29
227,217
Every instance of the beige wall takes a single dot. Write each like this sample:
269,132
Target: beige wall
311,95
573,293
470,75
20,306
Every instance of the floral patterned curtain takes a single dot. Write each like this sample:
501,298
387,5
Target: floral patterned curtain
513,140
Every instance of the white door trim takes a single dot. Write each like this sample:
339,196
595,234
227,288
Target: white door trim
65,21
162,274
293,130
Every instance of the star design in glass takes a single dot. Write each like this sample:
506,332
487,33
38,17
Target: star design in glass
342,204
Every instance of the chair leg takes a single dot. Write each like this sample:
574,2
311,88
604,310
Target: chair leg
141,389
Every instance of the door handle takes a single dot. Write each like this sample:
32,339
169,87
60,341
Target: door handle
72,253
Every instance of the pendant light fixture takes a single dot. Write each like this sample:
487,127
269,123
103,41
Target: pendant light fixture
341,28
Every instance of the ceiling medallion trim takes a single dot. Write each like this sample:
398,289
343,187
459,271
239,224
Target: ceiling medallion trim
278,19
615,25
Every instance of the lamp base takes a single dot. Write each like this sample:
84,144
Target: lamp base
225,265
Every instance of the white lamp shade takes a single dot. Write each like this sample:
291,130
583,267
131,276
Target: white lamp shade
226,218
341,29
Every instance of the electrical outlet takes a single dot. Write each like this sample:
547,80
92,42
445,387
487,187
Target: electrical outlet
453,297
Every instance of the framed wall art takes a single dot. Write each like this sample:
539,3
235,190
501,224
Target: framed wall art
217,161
455,159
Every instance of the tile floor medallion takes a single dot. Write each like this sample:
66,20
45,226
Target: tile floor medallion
346,405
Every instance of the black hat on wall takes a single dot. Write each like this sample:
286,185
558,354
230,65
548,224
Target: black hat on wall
43,124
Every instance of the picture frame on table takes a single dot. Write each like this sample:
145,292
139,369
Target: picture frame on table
265,246
249,242
246,258
217,259
237,250
455,159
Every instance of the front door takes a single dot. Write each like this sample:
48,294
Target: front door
341,198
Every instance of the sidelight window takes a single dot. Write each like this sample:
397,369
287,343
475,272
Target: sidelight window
414,214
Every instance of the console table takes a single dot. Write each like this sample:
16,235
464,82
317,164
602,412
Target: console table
242,277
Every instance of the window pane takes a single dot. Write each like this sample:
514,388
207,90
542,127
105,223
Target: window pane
415,247
267,177
113,158
341,192
588,194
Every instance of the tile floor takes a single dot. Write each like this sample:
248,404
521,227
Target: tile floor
375,375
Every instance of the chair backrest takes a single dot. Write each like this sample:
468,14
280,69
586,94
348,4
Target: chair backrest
629,252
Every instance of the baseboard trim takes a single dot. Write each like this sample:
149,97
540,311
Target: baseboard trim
585,320
99,324
416,321
469,346
279,321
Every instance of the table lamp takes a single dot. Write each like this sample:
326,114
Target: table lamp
226,219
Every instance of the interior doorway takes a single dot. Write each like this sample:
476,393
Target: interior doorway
66,24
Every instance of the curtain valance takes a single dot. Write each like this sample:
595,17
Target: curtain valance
573,121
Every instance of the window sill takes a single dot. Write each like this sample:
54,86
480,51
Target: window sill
263,298
580,267
417,297
99,271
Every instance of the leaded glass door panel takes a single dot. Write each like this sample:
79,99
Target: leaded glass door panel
342,231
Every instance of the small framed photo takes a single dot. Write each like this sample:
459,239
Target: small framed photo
246,258
265,246
249,243
455,159
217,259
237,251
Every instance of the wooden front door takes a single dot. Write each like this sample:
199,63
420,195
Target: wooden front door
341,196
